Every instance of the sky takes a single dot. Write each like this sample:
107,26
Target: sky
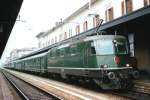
37,16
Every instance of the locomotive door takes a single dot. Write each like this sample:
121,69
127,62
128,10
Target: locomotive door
85,58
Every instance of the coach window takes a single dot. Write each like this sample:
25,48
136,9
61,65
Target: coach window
62,52
58,52
53,53
73,50
50,53
67,51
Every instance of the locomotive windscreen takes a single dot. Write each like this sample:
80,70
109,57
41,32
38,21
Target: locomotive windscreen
104,47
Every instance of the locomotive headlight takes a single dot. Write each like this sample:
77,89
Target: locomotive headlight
127,65
105,66
111,75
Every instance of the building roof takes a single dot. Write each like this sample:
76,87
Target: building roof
40,34
83,8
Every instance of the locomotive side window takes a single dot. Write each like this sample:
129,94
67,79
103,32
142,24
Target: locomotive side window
93,48
121,47
103,47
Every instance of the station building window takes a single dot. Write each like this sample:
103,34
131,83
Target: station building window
146,2
96,20
65,35
60,37
48,42
52,41
55,39
70,33
106,18
122,8
109,15
77,29
126,6
85,26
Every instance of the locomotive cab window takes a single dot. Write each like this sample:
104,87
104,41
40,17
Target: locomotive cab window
121,46
103,47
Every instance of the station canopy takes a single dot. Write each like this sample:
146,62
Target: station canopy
9,10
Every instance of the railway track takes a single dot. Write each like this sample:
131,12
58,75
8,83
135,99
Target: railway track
138,92
27,91
65,90
133,95
74,92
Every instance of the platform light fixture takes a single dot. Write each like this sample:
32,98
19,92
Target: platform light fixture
93,15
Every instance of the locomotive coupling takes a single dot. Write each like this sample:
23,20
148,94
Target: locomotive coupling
111,75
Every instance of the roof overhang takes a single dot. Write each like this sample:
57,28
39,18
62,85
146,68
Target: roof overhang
138,14
9,10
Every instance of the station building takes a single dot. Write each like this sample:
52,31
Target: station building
125,17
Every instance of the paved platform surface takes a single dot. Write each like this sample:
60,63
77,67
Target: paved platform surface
6,91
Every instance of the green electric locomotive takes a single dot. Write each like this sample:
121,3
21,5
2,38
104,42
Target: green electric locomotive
104,59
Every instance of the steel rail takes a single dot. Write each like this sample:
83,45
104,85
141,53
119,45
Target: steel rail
26,97
16,88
